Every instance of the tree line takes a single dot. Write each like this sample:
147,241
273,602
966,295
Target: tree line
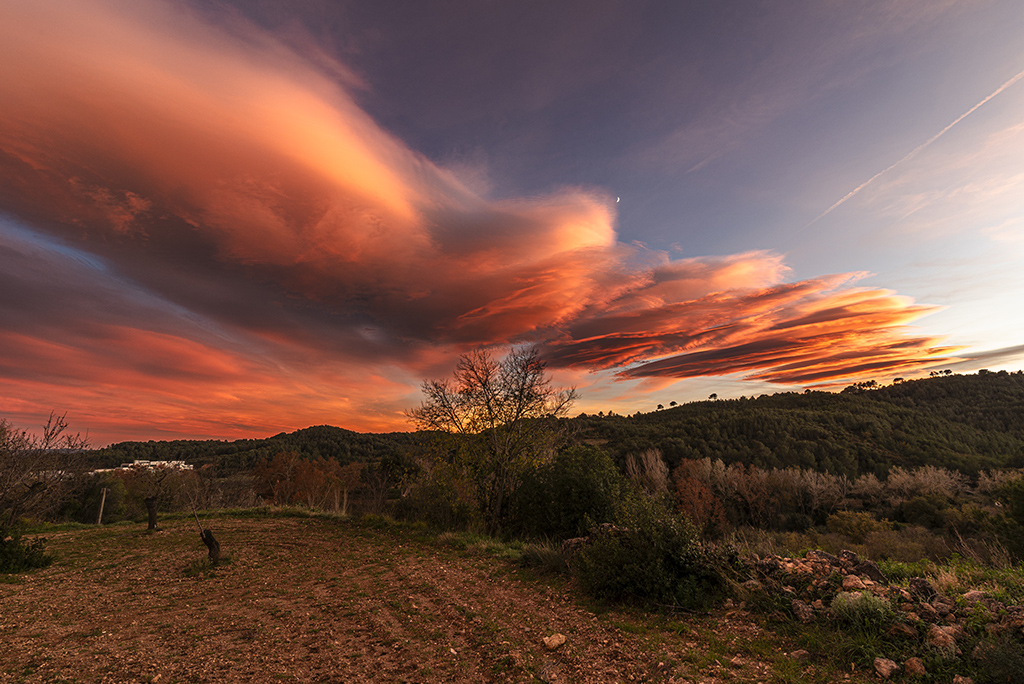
496,450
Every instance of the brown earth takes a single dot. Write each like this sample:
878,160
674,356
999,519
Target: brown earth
313,600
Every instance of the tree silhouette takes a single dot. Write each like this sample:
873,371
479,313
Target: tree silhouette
503,412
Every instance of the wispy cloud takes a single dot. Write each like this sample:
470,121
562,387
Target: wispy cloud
917,150
211,232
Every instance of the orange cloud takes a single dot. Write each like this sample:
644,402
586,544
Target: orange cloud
208,230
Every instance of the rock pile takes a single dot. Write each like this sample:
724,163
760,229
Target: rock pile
822,586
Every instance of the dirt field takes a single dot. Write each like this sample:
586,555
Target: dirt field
310,600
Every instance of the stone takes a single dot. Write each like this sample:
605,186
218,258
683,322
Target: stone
870,570
800,655
886,668
902,629
942,639
852,583
914,667
819,555
554,641
974,596
1013,618
848,556
922,588
994,628
802,611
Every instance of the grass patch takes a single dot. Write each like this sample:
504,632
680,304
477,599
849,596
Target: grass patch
545,557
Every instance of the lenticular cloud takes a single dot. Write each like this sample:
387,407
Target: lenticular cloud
256,224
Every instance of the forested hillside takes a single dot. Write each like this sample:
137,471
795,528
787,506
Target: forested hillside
320,441
963,422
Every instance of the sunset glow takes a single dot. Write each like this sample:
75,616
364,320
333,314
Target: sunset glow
220,224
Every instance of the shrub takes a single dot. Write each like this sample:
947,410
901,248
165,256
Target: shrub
437,505
908,544
18,554
901,571
926,511
1000,659
655,558
696,499
545,558
862,610
440,497
855,524
562,499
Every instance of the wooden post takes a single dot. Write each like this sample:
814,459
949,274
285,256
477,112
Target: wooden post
99,518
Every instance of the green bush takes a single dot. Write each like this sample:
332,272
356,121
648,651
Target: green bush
18,554
908,544
441,498
564,498
863,610
926,511
654,558
901,571
1000,659
856,525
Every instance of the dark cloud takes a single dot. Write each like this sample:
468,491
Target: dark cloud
207,220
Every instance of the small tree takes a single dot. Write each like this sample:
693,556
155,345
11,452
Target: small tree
503,413
36,473
37,476
156,485
276,477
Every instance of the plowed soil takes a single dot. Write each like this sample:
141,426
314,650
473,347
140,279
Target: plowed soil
312,600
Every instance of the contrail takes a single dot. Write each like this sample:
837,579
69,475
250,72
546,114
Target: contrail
913,153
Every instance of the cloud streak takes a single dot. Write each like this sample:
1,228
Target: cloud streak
208,231
917,150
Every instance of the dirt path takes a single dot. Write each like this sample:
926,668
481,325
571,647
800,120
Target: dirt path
308,600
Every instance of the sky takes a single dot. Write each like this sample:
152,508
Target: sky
233,219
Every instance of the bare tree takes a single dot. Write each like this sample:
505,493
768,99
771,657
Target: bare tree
648,472
822,493
157,484
36,472
504,412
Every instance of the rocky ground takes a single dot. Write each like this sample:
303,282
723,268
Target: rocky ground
312,600
929,623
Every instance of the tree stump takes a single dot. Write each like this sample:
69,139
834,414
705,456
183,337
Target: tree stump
151,512
212,544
